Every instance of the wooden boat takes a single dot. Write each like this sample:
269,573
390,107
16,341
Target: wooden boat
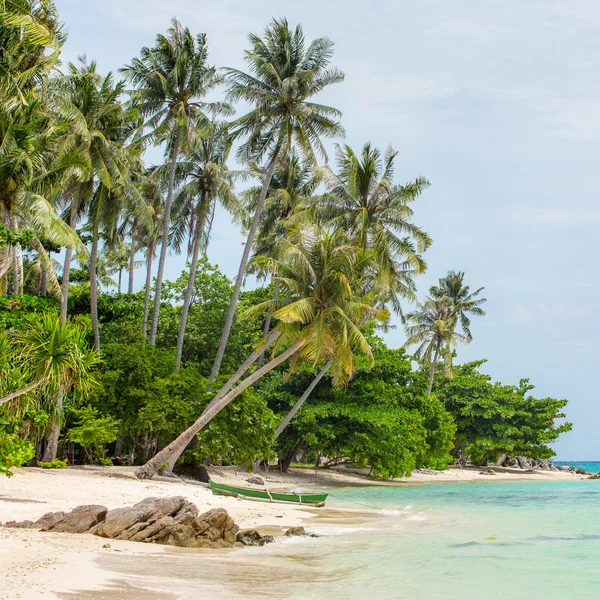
264,495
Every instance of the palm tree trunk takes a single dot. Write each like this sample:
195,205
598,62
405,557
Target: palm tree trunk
120,279
302,399
17,260
64,297
165,239
268,320
132,259
149,256
243,266
94,284
212,410
436,357
229,384
22,391
189,290
52,442
44,280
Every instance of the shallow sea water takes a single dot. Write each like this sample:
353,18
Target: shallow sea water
469,541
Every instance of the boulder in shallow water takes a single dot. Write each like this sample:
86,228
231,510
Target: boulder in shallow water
251,537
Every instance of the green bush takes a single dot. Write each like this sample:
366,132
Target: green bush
57,463
14,451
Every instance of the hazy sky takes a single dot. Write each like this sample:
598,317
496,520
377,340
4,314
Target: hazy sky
497,102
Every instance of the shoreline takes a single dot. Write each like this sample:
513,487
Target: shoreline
60,565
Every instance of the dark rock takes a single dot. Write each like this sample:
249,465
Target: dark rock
580,471
251,537
49,519
197,473
255,480
293,531
513,462
524,462
80,520
594,476
502,460
18,524
488,472
106,546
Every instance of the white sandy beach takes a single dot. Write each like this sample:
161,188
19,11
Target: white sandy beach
46,565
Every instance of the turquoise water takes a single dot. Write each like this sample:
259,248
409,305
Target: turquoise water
529,540
592,466
469,541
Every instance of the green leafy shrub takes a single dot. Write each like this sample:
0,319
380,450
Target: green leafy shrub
57,463
92,432
14,451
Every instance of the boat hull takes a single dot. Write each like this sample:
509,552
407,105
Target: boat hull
221,489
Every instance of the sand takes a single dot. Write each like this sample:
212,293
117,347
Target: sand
50,565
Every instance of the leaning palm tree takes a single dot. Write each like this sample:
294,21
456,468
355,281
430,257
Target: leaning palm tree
208,182
285,75
319,319
172,79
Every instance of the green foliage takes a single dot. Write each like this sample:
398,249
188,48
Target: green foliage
493,418
382,419
93,432
57,463
15,310
8,237
14,451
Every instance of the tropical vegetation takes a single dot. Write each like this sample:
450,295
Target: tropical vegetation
196,368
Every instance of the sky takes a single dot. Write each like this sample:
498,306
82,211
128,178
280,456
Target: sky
497,103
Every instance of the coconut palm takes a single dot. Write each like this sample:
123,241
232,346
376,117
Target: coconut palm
463,301
208,182
172,79
284,75
363,199
98,122
319,318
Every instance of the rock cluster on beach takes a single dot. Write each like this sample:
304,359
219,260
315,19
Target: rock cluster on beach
544,464
171,521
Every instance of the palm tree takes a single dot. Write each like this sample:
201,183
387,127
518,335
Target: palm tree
433,325
208,181
172,79
285,75
93,108
463,301
319,318
363,199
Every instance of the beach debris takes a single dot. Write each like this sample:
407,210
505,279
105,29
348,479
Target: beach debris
251,537
171,521
106,546
255,480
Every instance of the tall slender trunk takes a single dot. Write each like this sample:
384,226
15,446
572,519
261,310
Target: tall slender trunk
212,410
436,357
17,260
189,290
268,320
94,283
64,297
243,266
132,258
149,257
165,239
52,442
229,384
120,279
302,399
43,280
